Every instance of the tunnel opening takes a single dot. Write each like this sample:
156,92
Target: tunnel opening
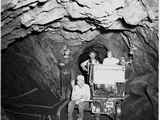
98,48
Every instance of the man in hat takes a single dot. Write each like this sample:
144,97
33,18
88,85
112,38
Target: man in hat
66,70
92,60
88,66
110,60
80,94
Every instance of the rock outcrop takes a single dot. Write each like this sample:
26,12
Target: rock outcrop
37,15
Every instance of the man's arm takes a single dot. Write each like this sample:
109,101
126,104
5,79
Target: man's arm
72,83
87,93
83,65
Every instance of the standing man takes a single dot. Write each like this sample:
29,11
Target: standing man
80,94
92,60
66,74
88,66
110,61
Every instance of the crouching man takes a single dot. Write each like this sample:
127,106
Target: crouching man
80,94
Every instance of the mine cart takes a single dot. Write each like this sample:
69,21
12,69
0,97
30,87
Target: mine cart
107,85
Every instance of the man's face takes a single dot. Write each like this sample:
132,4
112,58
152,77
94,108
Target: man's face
92,55
109,54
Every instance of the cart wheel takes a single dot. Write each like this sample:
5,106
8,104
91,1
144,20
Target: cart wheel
97,116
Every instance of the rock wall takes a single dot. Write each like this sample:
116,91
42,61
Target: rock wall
143,79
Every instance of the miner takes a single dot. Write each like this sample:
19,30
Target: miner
65,74
80,96
88,65
110,60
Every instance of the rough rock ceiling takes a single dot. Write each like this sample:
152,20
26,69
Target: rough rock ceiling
76,19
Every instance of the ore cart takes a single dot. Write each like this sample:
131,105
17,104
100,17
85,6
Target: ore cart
107,83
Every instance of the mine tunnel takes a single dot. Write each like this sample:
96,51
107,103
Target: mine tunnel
36,75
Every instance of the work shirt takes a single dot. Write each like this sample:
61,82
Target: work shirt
80,94
110,61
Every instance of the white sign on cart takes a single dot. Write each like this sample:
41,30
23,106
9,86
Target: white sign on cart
108,75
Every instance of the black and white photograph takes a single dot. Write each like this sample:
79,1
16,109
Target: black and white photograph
79,60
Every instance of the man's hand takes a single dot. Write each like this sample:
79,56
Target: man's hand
84,68
79,100
72,83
